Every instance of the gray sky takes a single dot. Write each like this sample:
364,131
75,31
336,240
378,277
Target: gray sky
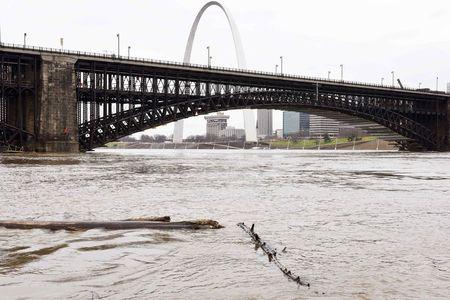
370,37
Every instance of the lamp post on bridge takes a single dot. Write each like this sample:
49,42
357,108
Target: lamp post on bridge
276,69
329,73
118,45
342,72
209,56
129,48
24,39
382,80
281,64
393,78
437,83
420,84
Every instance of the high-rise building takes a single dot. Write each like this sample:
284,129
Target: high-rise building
216,123
264,123
320,126
231,132
296,123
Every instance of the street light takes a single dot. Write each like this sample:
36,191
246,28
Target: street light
329,73
393,78
209,56
437,83
281,65
210,61
24,39
129,48
118,45
342,72
382,80
276,69
420,84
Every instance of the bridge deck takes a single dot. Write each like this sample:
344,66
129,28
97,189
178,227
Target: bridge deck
336,85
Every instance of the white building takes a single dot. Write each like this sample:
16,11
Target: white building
279,133
319,126
231,132
215,124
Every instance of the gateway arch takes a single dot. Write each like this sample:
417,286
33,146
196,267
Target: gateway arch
249,118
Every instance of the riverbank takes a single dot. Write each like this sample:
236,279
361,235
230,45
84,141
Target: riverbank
366,143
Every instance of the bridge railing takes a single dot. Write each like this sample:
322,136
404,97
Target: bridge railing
205,67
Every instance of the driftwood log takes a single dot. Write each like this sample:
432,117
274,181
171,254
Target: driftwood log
110,225
151,219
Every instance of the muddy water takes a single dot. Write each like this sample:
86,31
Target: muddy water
357,225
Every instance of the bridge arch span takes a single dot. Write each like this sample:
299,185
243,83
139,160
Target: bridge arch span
113,127
249,118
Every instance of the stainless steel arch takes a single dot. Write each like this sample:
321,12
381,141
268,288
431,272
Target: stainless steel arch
249,118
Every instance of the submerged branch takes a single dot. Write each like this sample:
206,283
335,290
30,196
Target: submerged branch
271,254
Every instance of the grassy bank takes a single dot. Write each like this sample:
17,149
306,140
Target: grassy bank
312,143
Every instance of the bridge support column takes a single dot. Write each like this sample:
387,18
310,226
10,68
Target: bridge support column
57,125
448,125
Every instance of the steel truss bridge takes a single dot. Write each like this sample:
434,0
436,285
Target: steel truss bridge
116,97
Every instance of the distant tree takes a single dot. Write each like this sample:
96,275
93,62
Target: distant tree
147,138
160,138
327,138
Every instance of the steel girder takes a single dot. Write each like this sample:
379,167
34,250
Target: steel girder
116,100
18,88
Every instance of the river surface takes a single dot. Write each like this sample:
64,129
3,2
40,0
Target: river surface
356,225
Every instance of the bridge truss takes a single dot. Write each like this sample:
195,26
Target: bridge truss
116,100
18,100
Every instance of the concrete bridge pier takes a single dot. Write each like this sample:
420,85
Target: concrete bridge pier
57,109
448,125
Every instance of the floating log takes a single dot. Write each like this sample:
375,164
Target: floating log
109,225
150,219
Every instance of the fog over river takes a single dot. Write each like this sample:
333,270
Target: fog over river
356,225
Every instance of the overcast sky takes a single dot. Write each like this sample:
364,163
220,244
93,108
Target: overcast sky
370,37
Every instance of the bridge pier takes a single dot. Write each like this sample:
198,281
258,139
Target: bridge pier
448,125
57,110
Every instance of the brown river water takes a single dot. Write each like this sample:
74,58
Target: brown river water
356,225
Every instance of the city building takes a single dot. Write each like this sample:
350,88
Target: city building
296,123
232,133
264,127
216,123
320,126
279,133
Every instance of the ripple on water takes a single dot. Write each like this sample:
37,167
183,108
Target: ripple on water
359,225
